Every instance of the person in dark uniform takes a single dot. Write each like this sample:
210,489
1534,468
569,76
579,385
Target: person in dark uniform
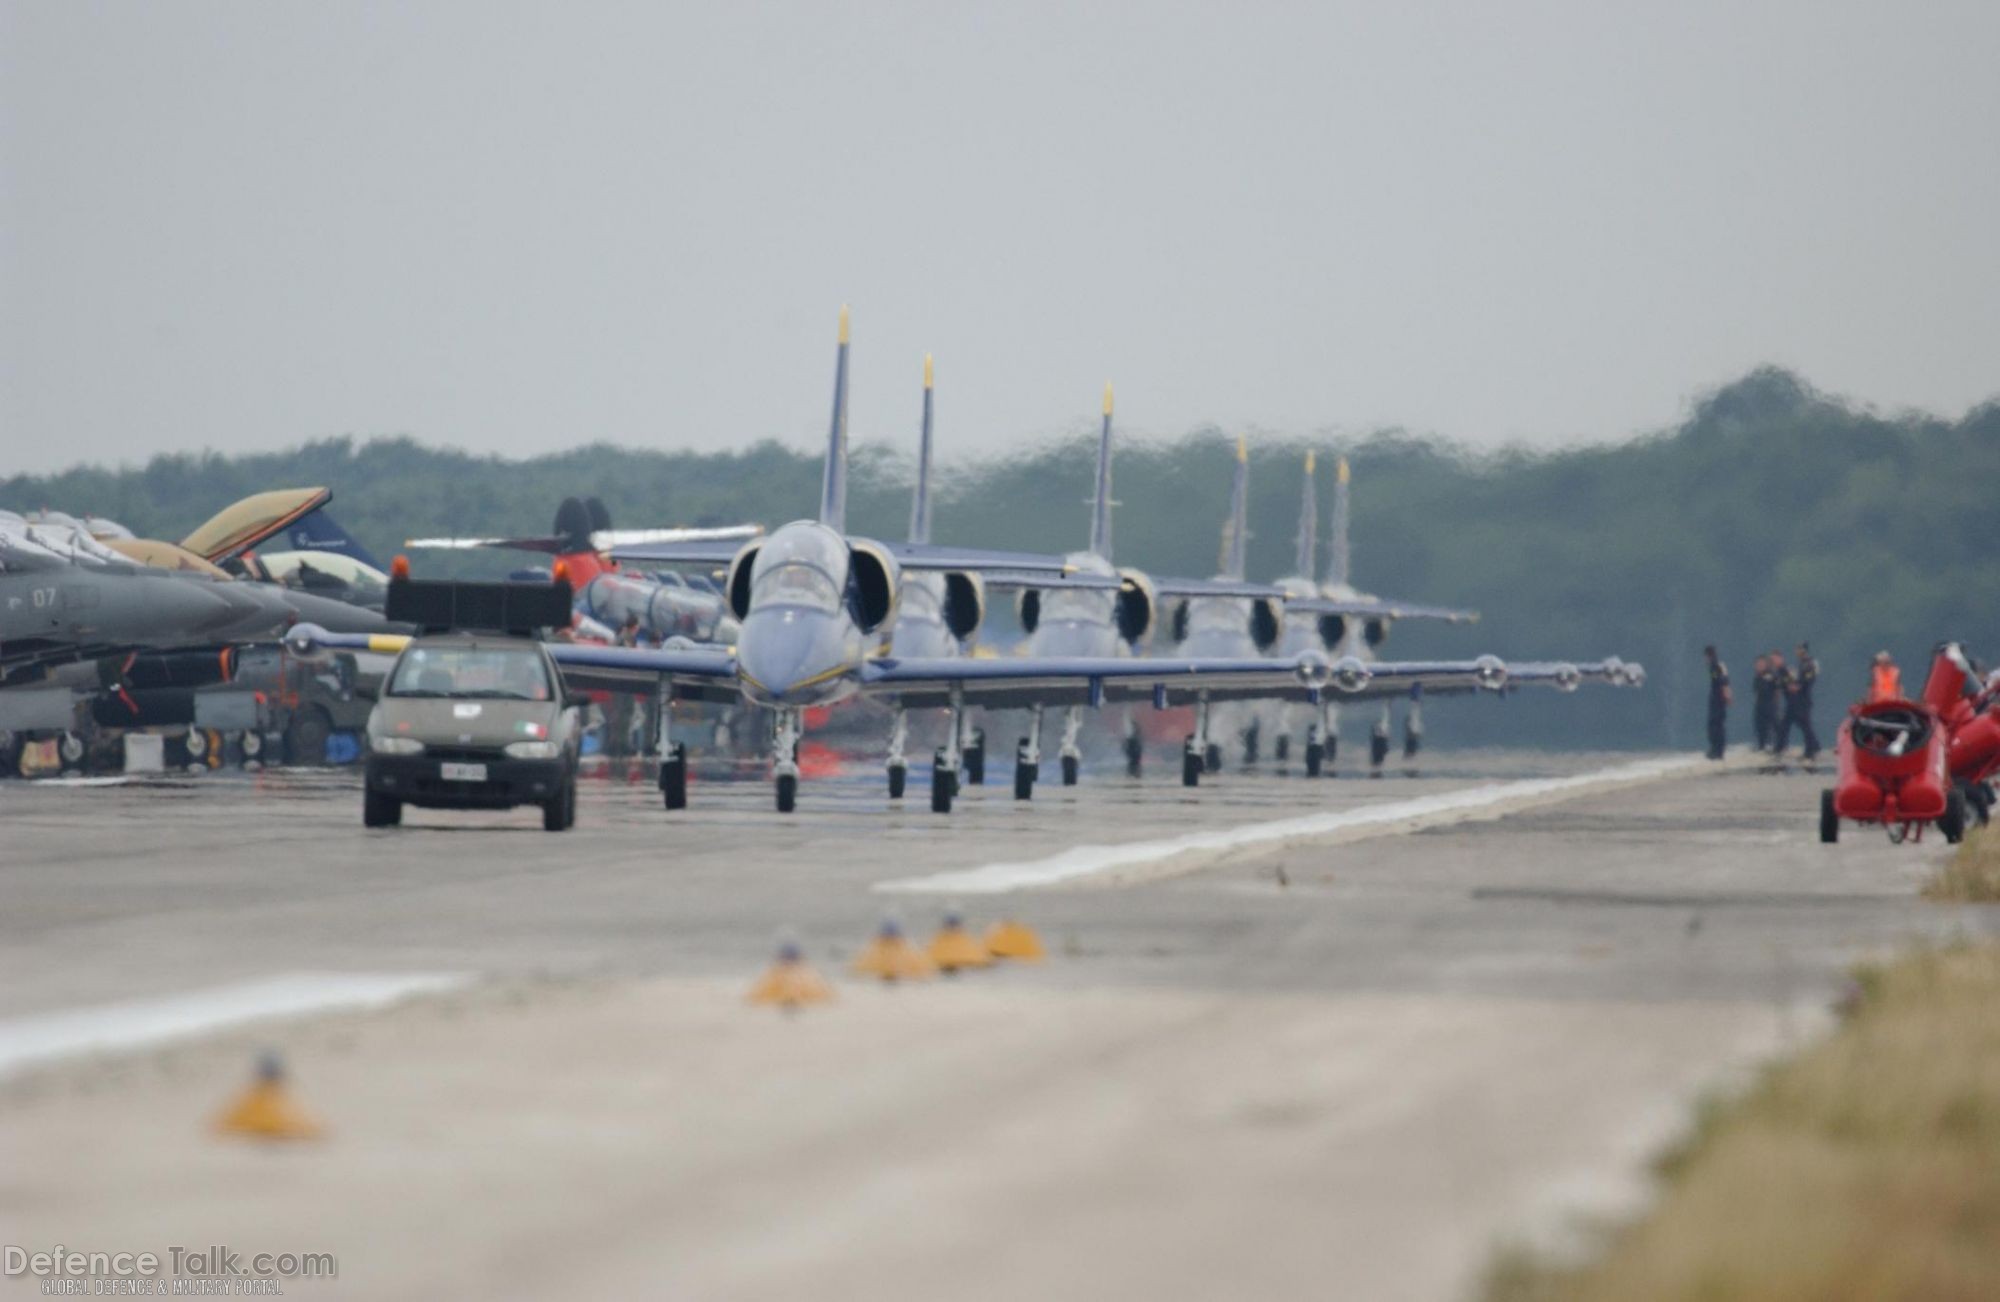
1802,702
1764,709
1782,683
1718,702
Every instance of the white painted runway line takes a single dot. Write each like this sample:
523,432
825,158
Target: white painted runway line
1147,860
138,1023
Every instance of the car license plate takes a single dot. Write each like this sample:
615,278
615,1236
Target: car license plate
462,772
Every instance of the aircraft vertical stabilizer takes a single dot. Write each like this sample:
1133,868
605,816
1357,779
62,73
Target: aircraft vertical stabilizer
920,501
1236,536
833,490
1100,506
1338,556
1306,562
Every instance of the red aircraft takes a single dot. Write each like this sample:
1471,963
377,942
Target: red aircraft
1906,763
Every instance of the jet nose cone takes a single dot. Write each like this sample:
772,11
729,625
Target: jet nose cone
773,654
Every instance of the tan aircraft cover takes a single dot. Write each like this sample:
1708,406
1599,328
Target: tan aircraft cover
237,528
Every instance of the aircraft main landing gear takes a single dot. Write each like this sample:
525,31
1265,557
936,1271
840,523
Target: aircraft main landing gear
973,754
1195,757
1072,755
945,766
673,757
899,767
1028,757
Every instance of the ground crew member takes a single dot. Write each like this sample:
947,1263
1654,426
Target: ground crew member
1781,702
1886,681
1718,701
1799,703
1764,708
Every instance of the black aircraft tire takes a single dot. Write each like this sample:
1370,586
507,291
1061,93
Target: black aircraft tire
1135,756
1952,824
788,793
1378,749
1315,756
1829,818
1024,780
942,790
975,762
1412,742
674,779
1332,745
1250,742
898,776
1191,766
1069,770
378,810
1281,749
1212,757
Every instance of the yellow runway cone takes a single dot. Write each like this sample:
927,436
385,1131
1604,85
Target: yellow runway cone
954,947
1015,941
790,982
892,957
266,1109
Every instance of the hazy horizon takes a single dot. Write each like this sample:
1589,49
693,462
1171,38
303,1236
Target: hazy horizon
241,226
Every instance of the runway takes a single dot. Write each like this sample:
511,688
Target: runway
1302,1064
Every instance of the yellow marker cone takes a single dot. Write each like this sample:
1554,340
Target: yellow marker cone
790,982
266,1109
1015,941
892,957
954,947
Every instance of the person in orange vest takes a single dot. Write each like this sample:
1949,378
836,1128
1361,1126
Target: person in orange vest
1886,681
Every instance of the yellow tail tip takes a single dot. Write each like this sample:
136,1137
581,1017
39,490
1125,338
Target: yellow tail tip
1242,448
1107,399
1309,463
1342,471
843,323
927,370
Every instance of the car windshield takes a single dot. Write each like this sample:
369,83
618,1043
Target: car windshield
506,673
795,584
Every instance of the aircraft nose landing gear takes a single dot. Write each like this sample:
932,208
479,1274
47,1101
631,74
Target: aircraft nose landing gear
785,759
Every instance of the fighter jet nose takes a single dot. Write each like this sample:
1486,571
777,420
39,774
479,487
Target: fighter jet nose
1568,677
1314,669
1491,672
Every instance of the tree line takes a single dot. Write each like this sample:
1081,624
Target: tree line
1773,513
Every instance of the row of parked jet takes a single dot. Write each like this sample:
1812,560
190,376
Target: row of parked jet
820,616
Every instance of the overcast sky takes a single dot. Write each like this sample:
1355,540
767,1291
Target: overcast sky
519,227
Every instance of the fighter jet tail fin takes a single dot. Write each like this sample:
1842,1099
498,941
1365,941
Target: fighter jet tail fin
1236,534
1306,561
833,489
1338,557
1101,503
920,500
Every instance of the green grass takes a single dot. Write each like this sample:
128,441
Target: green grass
1868,1167
1972,874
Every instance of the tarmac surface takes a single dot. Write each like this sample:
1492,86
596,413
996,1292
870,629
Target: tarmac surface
1336,1063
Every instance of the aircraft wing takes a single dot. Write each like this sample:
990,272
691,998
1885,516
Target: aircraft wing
1012,681
1375,608
604,540
1173,588
695,673
1025,566
693,551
